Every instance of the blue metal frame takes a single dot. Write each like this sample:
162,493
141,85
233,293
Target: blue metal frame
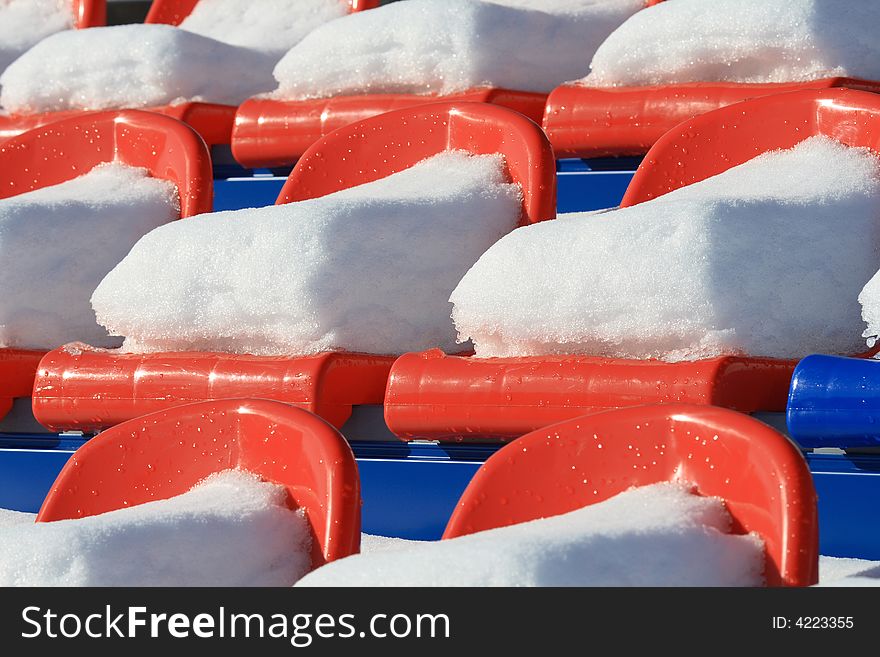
410,489
582,185
848,486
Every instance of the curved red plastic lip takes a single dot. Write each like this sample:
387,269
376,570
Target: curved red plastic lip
760,474
708,144
589,122
397,140
64,150
87,389
164,454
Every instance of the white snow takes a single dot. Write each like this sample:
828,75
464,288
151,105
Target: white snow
57,243
836,571
9,518
367,269
833,571
131,66
660,535
741,41
766,259
869,298
372,543
23,23
230,530
448,46
273,26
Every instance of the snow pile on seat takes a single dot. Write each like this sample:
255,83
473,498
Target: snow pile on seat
131,66
765,259
869,297
8,518
373,543
659,535
741,41
367,269
230,530
57,243
448,46
23,23
273,26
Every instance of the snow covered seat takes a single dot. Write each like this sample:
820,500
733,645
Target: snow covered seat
761,476
409,53
455,398
677,61
246,66
25,22
88,389
270,25
63,151
165,454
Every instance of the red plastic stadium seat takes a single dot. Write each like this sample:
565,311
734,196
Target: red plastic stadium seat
587,122
90,13
397,140
712,143
172,12
760,474
165,454
61,151
88,389
453,398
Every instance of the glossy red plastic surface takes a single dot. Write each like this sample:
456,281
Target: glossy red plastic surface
608,121
17,370
61,151
760,474
166,453
87,389
453,398
172,12
397,140
213,122
277,132
90,13
711,143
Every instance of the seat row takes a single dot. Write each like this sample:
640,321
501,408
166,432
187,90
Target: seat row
580,121
423,395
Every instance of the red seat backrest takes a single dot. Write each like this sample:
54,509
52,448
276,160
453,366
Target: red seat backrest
166,453
66,149
172,12
759,473
90,13
397,140
711,143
